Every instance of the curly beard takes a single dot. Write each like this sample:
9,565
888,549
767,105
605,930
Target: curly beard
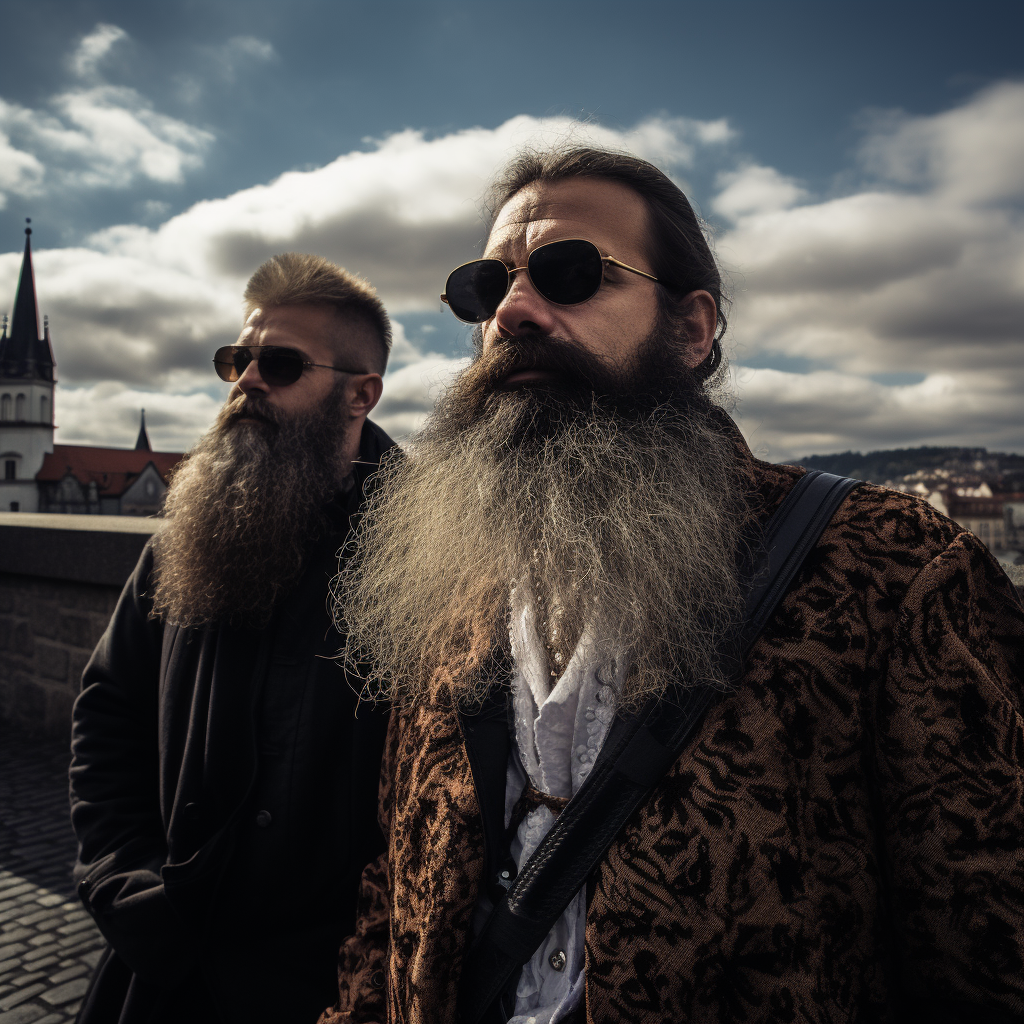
616,498
244,508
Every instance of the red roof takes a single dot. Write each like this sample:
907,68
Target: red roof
112,469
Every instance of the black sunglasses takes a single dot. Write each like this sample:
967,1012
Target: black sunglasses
278,366
565,273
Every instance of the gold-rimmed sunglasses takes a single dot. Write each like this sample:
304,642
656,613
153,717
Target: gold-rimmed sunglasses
278,364
566,273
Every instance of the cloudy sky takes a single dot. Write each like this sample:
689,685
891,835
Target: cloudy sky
858,166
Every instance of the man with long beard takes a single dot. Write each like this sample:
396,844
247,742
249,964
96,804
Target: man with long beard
223,790
572,537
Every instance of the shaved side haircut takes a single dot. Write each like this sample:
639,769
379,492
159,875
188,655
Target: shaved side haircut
302,279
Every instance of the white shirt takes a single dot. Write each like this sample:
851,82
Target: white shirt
558,735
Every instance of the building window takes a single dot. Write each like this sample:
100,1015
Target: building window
10,469
19,408
44,410
15,506
983,532
5,407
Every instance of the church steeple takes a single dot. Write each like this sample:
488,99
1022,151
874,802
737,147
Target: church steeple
142,443
23,353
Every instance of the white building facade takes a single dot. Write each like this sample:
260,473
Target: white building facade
26,396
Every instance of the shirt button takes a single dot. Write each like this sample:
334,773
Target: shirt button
557,960
263,819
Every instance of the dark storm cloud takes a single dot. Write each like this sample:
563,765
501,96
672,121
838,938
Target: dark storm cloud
401,259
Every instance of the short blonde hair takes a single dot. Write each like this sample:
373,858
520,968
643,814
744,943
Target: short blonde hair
302,279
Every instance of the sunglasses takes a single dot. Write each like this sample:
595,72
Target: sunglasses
278,366
565,273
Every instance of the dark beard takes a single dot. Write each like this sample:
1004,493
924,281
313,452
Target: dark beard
580,382
243,510
617,498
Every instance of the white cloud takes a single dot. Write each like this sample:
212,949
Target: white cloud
20,172
250,46
789,415
94,135
972,154
921,271
402,214
147,307
238,53
410,393
108,414
119,318
89,53
755,189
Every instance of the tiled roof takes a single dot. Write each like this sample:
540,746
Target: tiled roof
112,469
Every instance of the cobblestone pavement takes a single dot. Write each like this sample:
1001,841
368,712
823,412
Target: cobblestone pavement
48,943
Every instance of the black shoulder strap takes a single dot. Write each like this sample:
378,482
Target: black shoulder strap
636,754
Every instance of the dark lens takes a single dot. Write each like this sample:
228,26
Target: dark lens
566,272
475,291
231,361
280,366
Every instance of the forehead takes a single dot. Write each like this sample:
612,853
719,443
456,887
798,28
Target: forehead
312,328
604,212
266,322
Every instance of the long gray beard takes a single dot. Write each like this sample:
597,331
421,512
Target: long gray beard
243,510
630,522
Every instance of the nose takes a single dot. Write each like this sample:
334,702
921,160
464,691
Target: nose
524,309
251,381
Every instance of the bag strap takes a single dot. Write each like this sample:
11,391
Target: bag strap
636,754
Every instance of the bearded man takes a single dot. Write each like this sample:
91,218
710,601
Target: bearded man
223,791
571,537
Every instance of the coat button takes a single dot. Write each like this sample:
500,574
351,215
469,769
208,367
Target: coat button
263,819
557,960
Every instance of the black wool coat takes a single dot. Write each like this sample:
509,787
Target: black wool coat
223,791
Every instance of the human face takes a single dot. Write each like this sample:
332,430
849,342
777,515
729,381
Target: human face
311,330
613,324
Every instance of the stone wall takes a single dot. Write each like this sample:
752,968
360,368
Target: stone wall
48,629
60,577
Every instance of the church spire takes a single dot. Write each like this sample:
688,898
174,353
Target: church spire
142,443
23,353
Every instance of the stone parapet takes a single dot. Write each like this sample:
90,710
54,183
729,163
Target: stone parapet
60,577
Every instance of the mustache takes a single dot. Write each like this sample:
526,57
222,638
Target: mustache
572,367
240,406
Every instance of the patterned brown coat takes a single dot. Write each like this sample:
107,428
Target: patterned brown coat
842,841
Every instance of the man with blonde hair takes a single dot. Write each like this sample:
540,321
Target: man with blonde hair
222,788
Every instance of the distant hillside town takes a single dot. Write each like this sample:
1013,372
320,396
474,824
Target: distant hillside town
983,491
40,476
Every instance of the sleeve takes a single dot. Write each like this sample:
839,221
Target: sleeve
951,774
114,789
363,967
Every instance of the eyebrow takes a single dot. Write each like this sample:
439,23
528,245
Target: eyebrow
500,252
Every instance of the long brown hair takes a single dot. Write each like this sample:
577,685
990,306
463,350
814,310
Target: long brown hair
679,253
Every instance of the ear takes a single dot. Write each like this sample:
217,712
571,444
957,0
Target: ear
363,393
699,315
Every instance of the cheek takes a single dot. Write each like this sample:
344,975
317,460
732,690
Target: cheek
487,336
614,334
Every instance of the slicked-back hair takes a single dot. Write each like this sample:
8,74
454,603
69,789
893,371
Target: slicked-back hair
302,279
680,256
